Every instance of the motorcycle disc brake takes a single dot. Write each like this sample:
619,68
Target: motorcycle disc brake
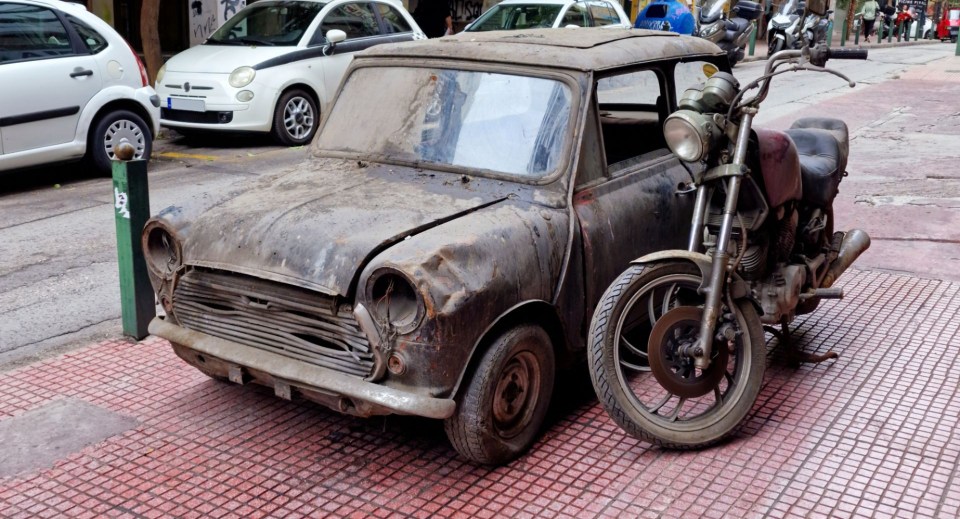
676,372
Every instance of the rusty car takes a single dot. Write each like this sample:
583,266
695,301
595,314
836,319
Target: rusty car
442,249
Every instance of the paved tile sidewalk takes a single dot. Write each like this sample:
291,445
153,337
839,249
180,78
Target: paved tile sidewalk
872,434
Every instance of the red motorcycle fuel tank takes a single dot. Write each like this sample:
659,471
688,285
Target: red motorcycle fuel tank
780,166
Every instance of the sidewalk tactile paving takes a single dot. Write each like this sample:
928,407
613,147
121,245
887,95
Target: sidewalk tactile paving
873,434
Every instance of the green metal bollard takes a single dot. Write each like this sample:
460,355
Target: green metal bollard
830,34
890,33
753,38
131,203
956,51
857,29
900,34
843,35
879,21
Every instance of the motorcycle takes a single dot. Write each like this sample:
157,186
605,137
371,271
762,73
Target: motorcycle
676,347
730,34
794,26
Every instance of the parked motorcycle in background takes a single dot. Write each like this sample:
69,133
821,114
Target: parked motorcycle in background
676,347
794,26
731,33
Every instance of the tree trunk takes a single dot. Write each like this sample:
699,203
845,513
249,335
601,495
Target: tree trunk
150,36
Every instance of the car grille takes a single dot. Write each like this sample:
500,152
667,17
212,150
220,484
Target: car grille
274,317
186,116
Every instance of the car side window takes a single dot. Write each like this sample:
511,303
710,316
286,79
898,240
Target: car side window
631,109
603,14
31,32
357,20
91,38
393,21
576,15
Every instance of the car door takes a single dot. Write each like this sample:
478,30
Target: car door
366,24
628,206
47,77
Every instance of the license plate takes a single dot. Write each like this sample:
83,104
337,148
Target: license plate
190,105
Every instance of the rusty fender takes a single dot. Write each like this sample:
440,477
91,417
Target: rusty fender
471,271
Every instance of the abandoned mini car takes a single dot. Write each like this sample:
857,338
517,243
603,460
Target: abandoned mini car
442,251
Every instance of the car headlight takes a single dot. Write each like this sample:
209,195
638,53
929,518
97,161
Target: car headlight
689,134
160,73
242,77
161,249
393,299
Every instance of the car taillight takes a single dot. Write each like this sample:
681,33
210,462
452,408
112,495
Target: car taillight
143,69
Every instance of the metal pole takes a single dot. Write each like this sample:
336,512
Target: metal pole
843,35
131,203
956,52
753,38
830,34
857,29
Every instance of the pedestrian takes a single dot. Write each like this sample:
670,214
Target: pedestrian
433,16
869,14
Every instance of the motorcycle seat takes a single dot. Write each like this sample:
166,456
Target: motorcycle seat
822,163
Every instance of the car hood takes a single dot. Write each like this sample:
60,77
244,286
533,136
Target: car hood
223,59
318,225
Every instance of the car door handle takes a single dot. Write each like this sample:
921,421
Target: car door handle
78,72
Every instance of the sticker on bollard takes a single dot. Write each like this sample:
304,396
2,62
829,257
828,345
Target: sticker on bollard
131,203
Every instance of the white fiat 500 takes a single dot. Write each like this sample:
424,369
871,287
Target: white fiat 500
70,87
275,65
511,15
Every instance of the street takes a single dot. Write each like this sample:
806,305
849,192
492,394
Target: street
96,425
58,272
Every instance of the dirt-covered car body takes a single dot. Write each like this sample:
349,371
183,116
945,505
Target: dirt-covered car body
373,277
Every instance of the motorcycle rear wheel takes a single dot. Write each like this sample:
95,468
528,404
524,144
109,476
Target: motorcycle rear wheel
701,407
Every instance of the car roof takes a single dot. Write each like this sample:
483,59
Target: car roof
578,49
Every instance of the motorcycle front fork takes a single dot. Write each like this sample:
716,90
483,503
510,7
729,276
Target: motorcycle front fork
714,290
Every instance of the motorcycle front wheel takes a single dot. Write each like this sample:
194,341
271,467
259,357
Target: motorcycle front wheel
776,45
652,391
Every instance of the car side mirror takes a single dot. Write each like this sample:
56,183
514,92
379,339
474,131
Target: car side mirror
333,37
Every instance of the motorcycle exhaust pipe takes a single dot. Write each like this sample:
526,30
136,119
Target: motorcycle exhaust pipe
853,245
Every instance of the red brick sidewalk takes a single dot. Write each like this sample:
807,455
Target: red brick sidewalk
872,434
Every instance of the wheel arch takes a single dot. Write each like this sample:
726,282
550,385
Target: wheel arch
299,84
537,312
120,104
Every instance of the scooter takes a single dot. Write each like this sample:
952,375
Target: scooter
729,33
793,27
676,347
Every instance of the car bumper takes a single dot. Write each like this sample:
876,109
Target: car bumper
341,392
222,110
150,101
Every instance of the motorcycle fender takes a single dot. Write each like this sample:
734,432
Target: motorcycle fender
738,288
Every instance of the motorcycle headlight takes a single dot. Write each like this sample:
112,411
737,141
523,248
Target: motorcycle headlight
689,134
708,31
393,299
242,77
161,249
781,25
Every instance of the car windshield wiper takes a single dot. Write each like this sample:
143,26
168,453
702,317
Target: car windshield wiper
215,41
256,41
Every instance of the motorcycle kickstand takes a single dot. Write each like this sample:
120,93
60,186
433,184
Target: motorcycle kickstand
794,356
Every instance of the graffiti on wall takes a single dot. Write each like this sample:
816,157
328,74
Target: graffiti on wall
207,15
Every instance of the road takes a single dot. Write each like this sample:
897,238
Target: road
58,272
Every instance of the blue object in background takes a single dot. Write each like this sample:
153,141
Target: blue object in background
656,13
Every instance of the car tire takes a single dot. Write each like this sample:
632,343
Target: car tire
295,118
490,425
112,129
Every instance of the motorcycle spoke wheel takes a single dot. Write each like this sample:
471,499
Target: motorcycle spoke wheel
648,387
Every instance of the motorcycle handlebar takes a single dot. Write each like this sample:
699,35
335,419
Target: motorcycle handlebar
846,53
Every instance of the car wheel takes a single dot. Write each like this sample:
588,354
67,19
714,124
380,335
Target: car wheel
113,129
501,409
295,118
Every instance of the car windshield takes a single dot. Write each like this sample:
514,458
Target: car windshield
267,23
508,124
517,16
712,9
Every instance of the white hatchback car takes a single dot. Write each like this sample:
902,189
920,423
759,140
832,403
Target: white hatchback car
544,14
70,87
275,65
